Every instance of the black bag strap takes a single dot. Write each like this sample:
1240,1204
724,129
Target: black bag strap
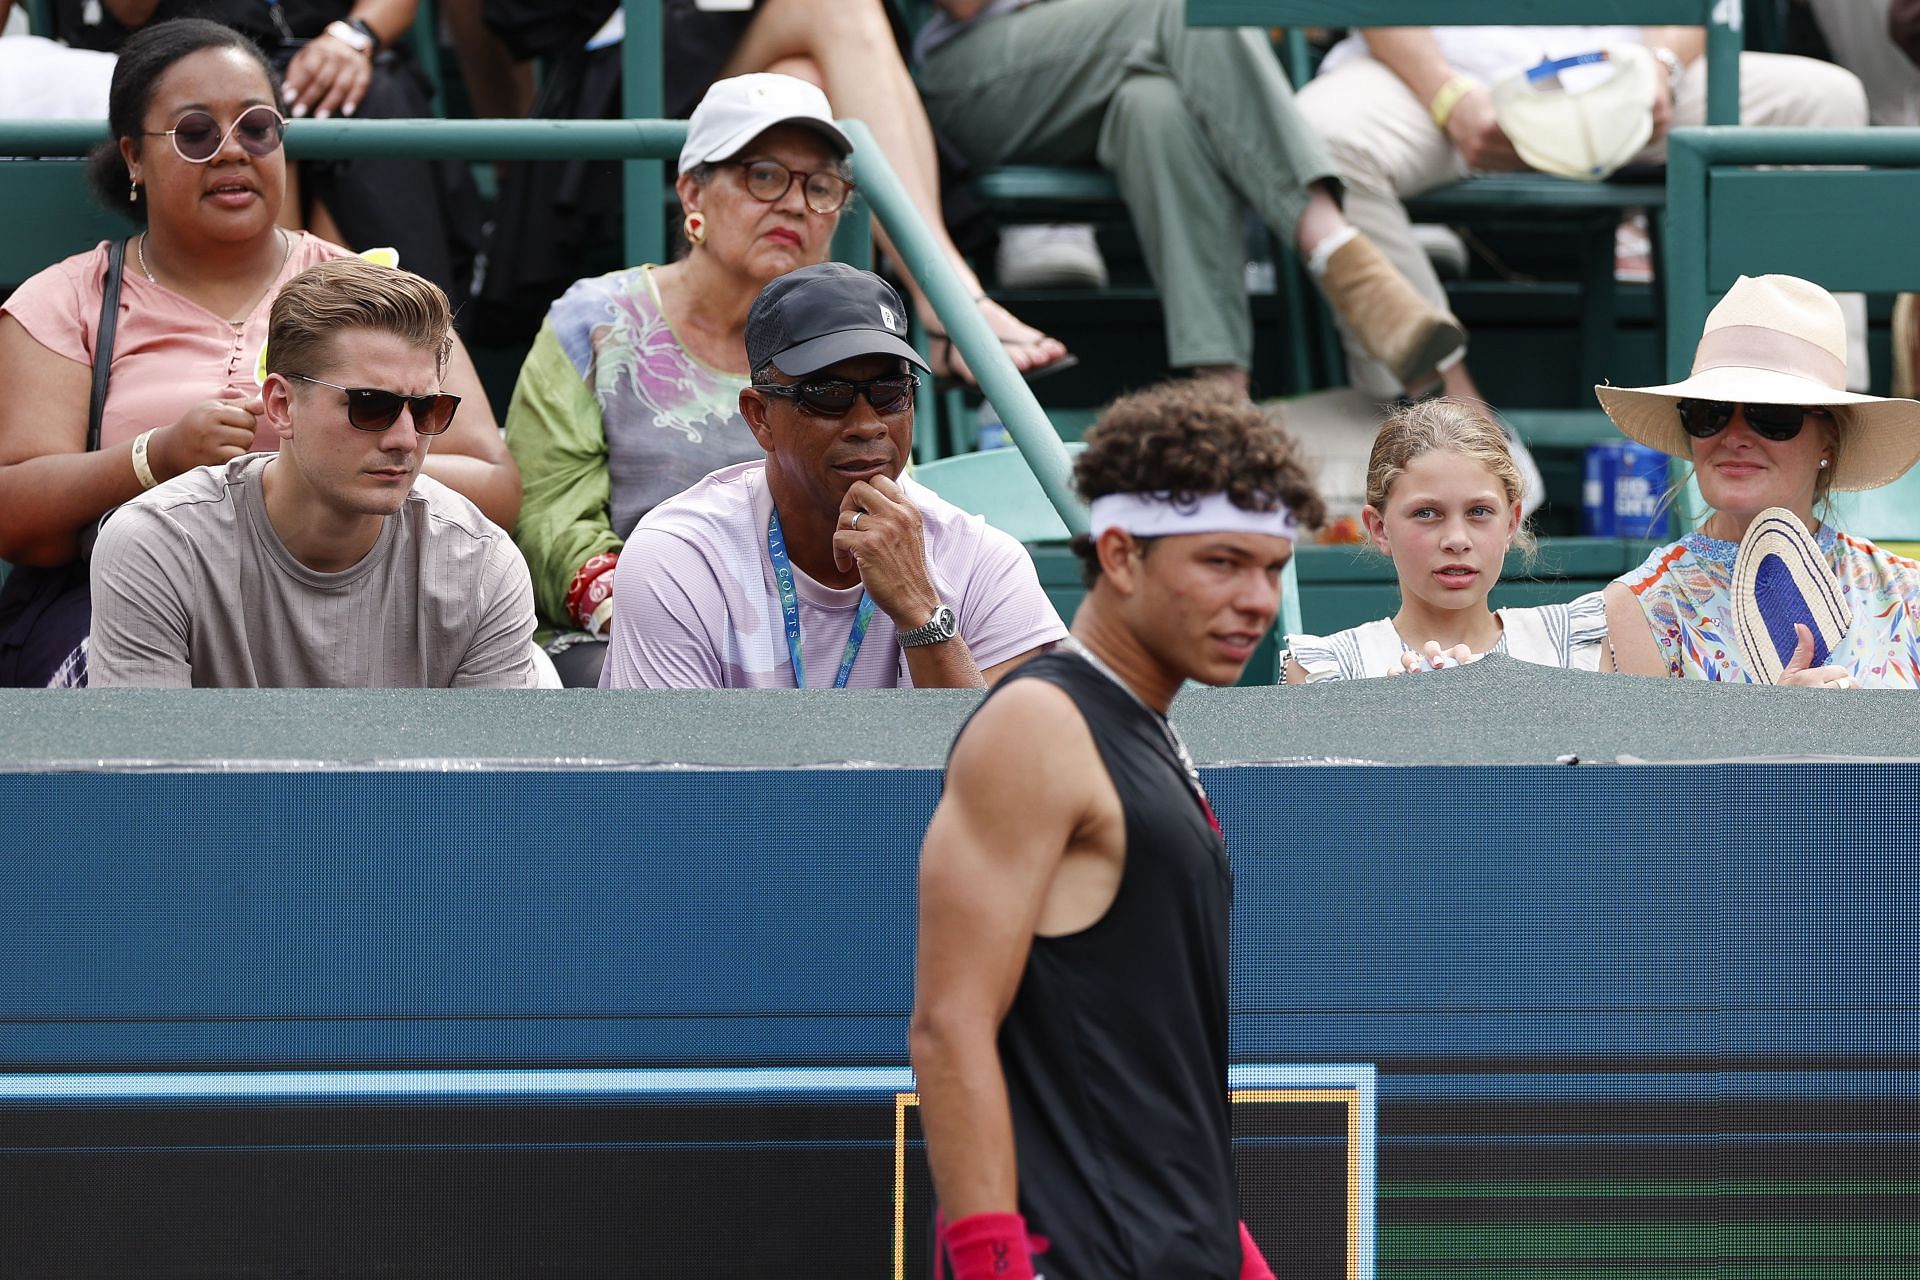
103,340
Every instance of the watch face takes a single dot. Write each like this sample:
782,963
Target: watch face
944,622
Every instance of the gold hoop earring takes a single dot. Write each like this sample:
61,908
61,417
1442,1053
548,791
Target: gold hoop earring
696,228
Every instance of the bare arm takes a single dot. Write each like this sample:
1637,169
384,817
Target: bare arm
49,488
132,13
961,10
992,675
1688,43
471,457
390,19
329,75
1414,55
1630,645
1016,794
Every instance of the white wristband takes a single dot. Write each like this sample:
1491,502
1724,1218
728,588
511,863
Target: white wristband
141,470
602,620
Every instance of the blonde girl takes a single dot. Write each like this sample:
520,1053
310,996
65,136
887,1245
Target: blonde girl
1443,501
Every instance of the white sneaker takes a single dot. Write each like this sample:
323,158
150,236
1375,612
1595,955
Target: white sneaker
1050,256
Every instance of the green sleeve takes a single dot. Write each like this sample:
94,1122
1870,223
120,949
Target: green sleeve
555,434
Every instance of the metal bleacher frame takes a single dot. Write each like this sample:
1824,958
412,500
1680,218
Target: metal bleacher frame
1738,204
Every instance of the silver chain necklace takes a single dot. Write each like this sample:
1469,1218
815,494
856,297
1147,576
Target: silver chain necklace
1171,734
286,251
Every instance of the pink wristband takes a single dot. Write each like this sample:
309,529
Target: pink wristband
989,1246
1252,1265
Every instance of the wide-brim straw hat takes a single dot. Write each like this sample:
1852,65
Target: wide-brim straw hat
1777,340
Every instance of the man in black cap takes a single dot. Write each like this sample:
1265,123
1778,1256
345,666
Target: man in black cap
822,566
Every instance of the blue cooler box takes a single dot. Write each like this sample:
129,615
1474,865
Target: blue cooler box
1623,493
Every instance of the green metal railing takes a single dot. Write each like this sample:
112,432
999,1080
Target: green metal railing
652,139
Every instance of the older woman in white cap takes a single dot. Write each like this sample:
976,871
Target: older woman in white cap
631,390
1767,422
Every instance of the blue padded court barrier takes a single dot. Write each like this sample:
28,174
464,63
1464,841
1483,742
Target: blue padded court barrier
1620,1014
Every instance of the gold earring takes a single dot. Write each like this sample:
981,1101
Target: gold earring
696,228
133,191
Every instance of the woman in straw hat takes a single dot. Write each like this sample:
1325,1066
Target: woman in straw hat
1766,421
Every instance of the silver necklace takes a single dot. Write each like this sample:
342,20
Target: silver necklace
286,251
1167,730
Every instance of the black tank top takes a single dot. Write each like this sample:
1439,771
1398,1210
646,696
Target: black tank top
1115,1049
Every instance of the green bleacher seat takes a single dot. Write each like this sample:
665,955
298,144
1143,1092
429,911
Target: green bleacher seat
50,216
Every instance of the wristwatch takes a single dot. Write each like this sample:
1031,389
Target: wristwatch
1676,70
356,35
944,625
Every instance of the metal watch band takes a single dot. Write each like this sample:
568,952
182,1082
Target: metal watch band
941,627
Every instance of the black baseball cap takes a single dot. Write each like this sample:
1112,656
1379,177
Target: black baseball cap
808,319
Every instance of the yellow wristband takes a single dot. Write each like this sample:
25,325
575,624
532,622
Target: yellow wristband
141,471
1441,108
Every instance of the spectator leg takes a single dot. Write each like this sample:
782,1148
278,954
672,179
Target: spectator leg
1189,219
851,44
1386,149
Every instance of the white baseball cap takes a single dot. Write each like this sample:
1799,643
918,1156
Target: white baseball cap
1582,116
737,110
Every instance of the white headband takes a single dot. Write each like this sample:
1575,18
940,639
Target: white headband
1154,515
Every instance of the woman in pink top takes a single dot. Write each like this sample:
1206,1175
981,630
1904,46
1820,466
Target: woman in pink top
196,121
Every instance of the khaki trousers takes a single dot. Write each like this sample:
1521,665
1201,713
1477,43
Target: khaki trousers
1196,126
1389,150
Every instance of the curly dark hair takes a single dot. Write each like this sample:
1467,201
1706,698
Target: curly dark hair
1190,438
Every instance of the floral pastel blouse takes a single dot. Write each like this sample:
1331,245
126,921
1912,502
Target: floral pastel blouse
1685,591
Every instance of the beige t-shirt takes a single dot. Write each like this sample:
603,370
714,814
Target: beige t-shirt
192,587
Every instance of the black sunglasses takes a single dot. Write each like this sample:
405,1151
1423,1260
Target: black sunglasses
834,397
198,138
372,409
1704,419
768,180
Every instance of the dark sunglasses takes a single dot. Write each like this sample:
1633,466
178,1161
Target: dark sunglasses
1705,419
198,138
372,409
768,180
834,397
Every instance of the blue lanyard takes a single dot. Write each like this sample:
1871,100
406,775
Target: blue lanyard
790,611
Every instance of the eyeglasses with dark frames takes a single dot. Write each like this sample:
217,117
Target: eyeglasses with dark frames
372,409
835,397
1705,419
767,180
197,136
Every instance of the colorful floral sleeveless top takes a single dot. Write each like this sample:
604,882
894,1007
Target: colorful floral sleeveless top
1685,591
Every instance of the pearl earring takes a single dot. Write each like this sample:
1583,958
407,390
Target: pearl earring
1823,462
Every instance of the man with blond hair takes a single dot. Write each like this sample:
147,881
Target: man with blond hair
333,562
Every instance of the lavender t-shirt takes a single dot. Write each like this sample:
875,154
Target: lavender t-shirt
696,605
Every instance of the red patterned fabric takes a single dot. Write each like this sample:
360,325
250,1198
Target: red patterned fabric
592,583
